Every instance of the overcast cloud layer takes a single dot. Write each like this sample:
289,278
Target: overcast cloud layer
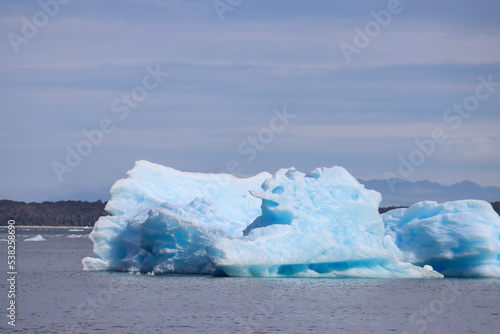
222,106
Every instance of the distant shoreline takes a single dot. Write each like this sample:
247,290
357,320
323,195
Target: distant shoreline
68,227
52,214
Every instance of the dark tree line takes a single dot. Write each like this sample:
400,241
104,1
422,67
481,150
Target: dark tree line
495,205
73,213
62,213
384,210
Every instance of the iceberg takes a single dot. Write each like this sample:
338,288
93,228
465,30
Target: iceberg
459,238
291,224
325,224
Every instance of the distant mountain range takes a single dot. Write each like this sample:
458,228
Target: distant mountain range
404,193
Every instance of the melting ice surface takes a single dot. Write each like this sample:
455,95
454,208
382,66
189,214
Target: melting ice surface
324,224
321,225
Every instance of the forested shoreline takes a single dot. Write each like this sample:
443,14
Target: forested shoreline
73,213
495,205
62,213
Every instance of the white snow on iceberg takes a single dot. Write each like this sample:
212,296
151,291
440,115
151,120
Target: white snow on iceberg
460,238
321,225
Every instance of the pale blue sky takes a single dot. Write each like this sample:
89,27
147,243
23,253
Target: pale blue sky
225,79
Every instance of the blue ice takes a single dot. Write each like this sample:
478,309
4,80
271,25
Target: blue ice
290,224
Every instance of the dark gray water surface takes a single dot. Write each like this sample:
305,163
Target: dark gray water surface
54,295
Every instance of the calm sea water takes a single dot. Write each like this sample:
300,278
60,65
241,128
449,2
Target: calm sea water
54,295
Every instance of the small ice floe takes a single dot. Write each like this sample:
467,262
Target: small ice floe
36,238
74,236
